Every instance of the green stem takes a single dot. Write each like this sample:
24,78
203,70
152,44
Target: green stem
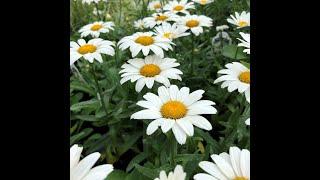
98,13
235,56
221,40
120,3
99,89
174,147
117,57
192,54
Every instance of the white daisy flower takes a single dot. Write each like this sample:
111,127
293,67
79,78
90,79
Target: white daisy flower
154,6
179,6
175,109
82,170
240,20
178,174
236,76
232,166
171,32
146,71
195,23
248,122
222,28
203,2
245,42
90,1
139,24
145,41
96,28
221,38
96,11
91,50
159,18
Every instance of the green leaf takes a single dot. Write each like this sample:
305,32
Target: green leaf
81,135
188,157
233,52
91,118
75,85
136,175
206,136
93,103
116,175
129,141
136,160
245,64
150,173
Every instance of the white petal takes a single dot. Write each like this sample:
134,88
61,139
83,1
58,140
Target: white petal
224,166
184,92
186,125
212,169
180,135
245,163
153,126
149,82
99,172
203,176
84,166
235,160
165,81
154,99
163,94
193,97
196,109
140,84
173,91
146,114
167,124
148,105
75,153
200,122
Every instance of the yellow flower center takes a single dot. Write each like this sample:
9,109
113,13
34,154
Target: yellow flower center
96,27
167,35
178,8
192,23
87,48
157,6
150,70
242,23
240,178
161,18
145,40
245,77
173,110
203,2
